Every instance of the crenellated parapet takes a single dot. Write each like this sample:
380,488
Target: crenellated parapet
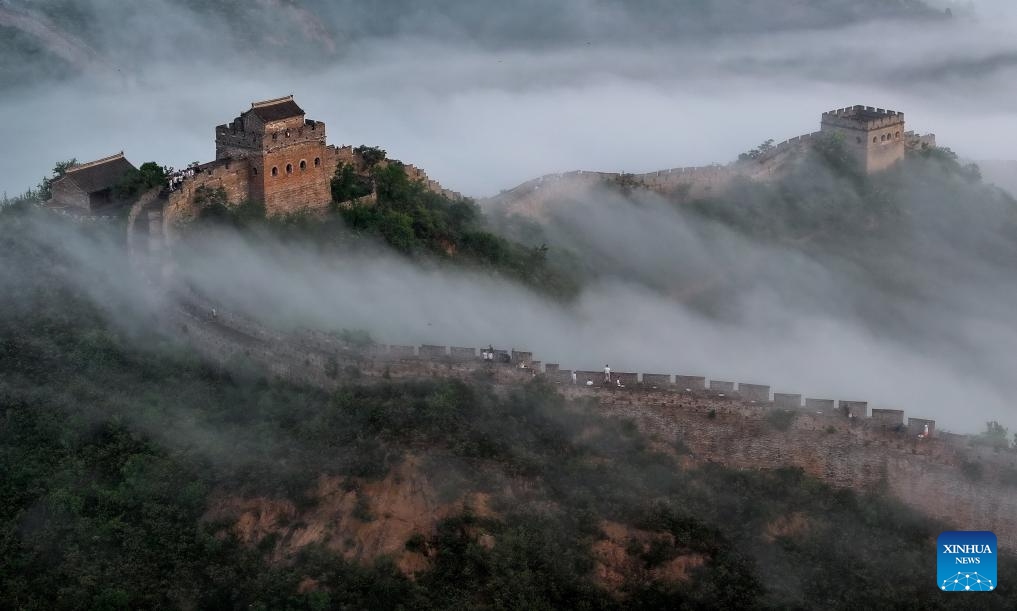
750,393
863,117
719,421
874,136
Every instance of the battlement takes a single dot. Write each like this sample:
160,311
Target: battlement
237,139
757,395
862,117
237,127
874,136
918,464
789,144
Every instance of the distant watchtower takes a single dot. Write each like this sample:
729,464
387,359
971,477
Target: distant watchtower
286,153
875,136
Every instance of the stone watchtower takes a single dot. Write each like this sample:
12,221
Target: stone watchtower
875,136
289,161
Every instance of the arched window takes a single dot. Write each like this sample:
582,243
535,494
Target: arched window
289,168
254,171
275,171
898,135
882,138
303,165
874,140
317,161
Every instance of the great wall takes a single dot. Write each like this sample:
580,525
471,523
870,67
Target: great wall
872,135
837,441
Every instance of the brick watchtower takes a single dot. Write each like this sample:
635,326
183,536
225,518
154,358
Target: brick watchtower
875,136
290,165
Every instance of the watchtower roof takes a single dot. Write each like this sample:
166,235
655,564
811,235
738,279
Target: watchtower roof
99,174
276,109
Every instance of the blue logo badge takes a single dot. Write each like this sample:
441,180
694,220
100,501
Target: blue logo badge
966,561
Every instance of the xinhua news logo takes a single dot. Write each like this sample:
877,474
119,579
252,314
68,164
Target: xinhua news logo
966,561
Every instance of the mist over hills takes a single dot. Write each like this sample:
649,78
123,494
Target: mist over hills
142,471
485,101
313,33
140,475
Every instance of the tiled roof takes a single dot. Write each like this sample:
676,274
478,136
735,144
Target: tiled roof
277,109
99,174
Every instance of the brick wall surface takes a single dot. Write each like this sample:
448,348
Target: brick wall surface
754,392
787,401
859,454
820,405
888,417
722,386
690,382
659,380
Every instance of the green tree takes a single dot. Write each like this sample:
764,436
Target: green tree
44,190
757,152
137,181
347,184
996,435
371,155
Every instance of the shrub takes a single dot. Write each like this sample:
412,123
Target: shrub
136,181
416,543
362,508
348,185
781,419
371,155
331,367
972,470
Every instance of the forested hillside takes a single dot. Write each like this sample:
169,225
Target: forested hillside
117,444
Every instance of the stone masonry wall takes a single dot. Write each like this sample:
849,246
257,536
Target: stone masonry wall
297,177
923,473
927,473
232,175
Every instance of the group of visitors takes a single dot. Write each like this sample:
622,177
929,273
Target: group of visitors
607,378
489,355
175,178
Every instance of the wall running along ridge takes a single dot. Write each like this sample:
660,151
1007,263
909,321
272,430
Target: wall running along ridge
725,427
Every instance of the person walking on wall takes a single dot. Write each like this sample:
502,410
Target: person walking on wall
607,373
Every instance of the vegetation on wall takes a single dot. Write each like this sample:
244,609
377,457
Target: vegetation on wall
757,152
405,215
413,219
214,207
348,184
43,192
137,181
